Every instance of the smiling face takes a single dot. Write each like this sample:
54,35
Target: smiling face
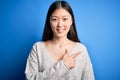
60,22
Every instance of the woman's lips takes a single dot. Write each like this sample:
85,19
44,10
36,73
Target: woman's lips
60,30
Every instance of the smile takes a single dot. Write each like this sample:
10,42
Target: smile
60,30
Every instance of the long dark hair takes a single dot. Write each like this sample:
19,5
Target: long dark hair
48,33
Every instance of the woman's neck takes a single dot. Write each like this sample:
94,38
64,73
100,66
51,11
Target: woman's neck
60,41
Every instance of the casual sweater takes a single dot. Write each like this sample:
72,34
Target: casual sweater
41,66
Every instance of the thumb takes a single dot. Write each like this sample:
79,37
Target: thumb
66,52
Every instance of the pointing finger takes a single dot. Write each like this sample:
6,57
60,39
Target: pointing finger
75,54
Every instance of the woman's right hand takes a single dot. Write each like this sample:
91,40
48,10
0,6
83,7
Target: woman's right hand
69,60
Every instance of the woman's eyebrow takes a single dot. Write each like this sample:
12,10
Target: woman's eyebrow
53,17
62,16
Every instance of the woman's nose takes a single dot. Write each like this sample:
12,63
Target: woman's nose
60,23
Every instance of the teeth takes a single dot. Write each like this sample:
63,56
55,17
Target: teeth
62,28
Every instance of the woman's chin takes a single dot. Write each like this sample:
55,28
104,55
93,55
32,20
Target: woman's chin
60,35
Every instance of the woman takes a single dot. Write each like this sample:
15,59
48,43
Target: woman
60,56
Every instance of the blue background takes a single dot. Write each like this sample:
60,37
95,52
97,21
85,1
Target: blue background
98,26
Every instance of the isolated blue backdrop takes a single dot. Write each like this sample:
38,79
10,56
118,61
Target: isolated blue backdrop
98,26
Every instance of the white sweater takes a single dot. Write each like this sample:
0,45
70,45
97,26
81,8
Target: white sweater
41,66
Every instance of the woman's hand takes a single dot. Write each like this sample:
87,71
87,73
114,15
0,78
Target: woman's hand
69,60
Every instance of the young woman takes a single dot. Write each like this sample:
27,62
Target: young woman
60,56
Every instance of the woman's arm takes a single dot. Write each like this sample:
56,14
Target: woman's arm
53,73
88,73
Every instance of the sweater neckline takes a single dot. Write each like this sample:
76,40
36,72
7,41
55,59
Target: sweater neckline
51,56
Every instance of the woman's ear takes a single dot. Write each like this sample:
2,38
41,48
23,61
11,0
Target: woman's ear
71,22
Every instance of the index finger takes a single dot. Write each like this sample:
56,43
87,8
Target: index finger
75,54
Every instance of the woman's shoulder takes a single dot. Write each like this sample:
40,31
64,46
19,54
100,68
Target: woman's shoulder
38,44
80,45
82,48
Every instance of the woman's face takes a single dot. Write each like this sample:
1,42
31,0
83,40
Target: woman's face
60,22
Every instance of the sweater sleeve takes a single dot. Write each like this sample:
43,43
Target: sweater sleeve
88,73
32,71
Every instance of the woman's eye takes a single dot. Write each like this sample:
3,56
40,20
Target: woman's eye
65,19
53,19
